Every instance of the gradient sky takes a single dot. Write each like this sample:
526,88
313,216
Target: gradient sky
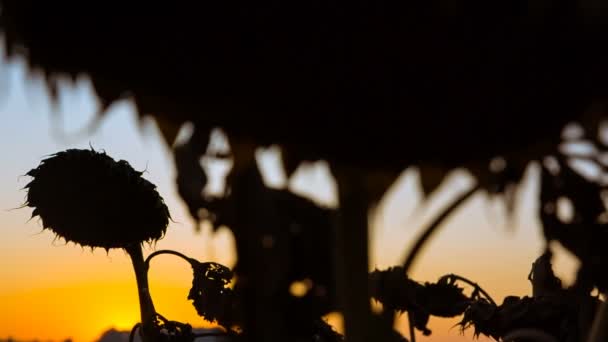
52,291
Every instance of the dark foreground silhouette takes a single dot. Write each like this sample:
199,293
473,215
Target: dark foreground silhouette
472,80
114,335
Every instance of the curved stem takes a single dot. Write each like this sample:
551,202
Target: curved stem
146,306
168,251
428,232
529,334
472,283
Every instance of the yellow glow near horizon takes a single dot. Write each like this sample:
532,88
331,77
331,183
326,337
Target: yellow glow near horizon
83,311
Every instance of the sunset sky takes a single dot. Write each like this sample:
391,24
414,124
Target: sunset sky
52,291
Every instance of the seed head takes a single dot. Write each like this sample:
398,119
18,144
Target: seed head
87,197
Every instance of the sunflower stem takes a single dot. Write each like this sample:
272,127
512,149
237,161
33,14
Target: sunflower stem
146,307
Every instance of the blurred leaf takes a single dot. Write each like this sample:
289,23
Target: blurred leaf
431,178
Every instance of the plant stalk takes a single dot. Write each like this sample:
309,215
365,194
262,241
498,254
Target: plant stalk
146,307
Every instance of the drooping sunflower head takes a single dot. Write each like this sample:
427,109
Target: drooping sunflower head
87,197
210,294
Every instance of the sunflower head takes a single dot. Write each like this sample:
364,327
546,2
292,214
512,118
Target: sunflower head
87,197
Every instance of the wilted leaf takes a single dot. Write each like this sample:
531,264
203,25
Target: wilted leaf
210,293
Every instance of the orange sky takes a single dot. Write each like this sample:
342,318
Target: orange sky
52,291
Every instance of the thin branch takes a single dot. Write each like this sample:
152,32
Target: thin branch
428,232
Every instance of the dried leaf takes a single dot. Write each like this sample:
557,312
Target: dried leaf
210,293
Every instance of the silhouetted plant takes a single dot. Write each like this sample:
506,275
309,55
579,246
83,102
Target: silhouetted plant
557,316
397,292
87,197
552,314
210,295
186,69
